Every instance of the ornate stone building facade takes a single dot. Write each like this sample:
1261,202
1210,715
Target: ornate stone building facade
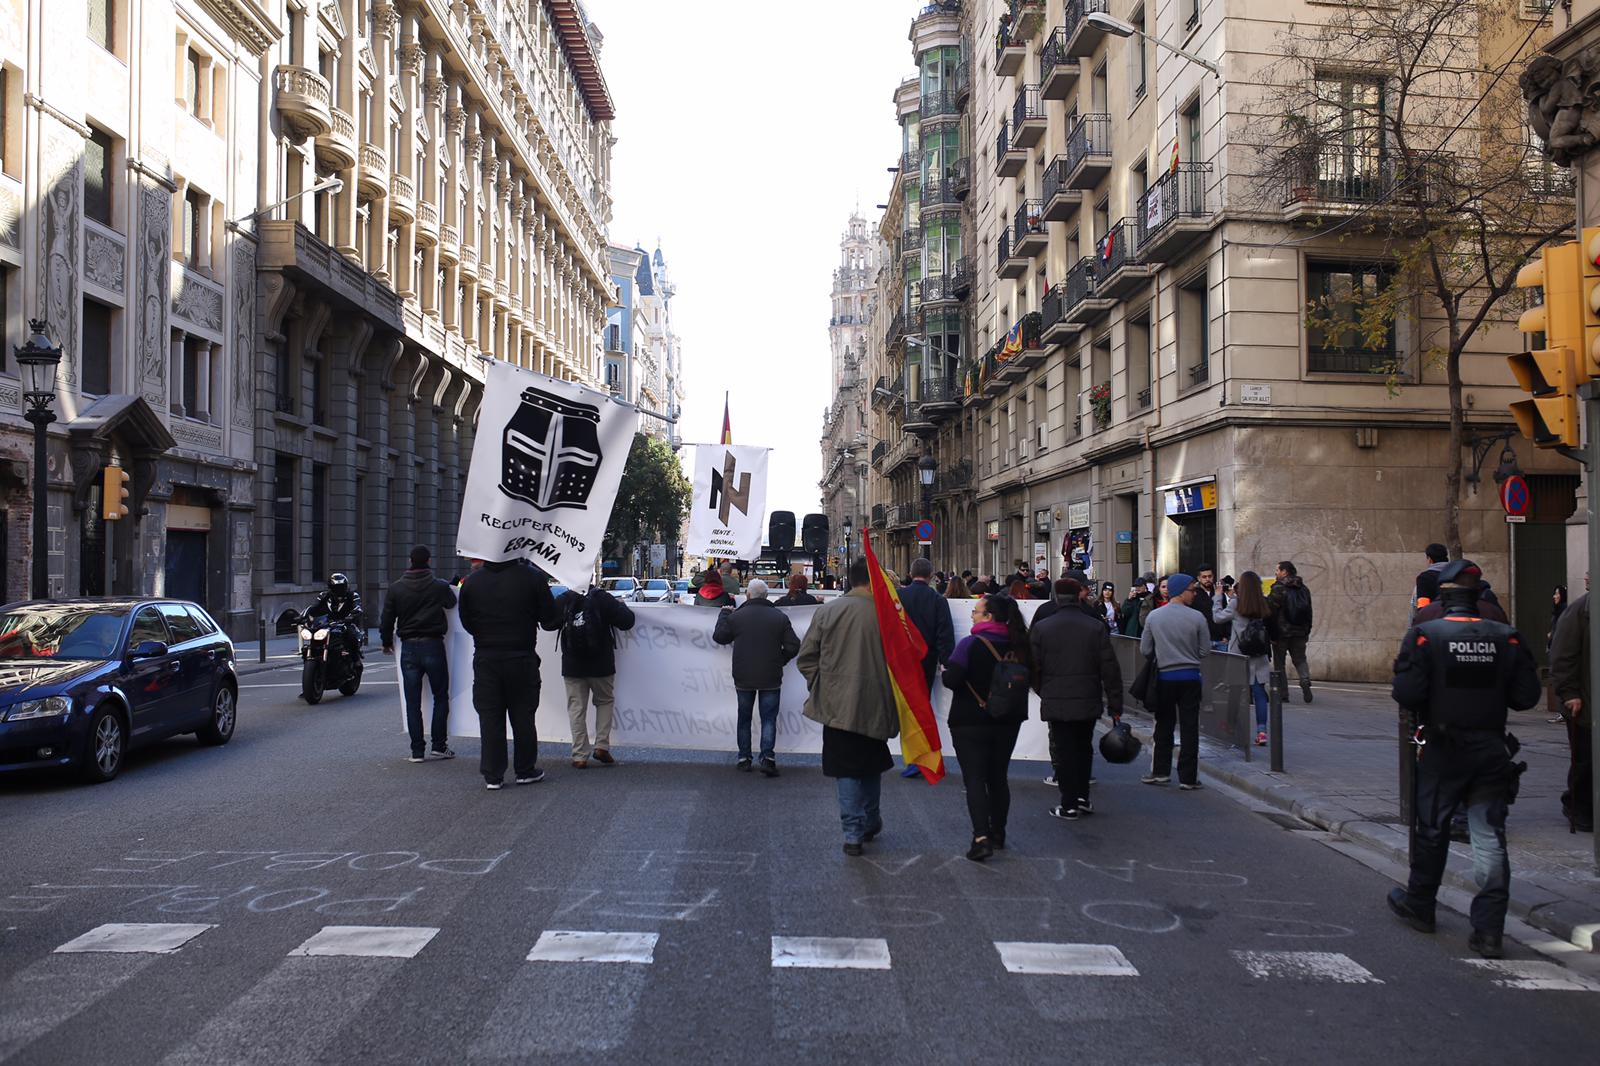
289,365
845,446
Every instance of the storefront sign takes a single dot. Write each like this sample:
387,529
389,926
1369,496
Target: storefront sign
1192,498
1078,515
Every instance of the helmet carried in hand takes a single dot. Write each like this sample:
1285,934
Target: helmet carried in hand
1119,745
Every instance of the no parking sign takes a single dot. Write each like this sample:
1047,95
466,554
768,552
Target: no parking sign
1514,496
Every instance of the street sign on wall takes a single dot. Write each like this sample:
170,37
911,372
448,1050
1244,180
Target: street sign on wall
1514,496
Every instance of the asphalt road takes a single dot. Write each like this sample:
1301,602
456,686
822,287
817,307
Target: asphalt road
1193,929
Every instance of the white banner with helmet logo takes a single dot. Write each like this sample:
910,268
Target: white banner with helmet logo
546,463
675,688
727,514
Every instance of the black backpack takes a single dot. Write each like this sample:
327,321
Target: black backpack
584,632
1008,686
1297,605
1253,639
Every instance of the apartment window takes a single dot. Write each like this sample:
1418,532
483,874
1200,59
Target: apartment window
1136,356
283,543
1193,131
1073,393
10,311
1191,13
1097,90
1339,297
319,521
1041,416
193,74
319,390
10,121
1138,184
98,153
1194,331
98,319
288,381
1137,59
1349,120
103,24
194,351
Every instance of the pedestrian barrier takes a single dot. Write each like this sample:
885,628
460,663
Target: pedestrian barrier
1226,711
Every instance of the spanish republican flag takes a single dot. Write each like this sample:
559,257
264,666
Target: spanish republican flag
903,649
727,426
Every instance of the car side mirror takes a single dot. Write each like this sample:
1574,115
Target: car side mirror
149,649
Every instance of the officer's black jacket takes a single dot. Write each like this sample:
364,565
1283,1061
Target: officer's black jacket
1463,672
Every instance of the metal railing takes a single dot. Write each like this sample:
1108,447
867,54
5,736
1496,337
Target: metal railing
1368,174
1178,194
1076,10
1028,221
1144,398
1002,145
1055,178
1002,249
879,449
1053,308
1078,285
1053,53
939,103
1091,136
961,81
961,275
953,477
1351,360
896,330
880,514
1122,245
1027,109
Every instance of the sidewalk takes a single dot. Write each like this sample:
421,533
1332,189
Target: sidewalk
284,651
1341,775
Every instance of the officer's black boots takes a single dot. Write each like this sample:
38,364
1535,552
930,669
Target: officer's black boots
1401,904
1489,945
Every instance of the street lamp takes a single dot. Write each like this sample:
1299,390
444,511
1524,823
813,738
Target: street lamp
333,185
1116,27
38,360
926,467
849,530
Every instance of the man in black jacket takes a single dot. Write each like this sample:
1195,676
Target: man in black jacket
502,606
763,641
930,613
1073,664
415,608
589,667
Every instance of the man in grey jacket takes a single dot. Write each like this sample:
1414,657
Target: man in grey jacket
1073,664
763,641
1179,638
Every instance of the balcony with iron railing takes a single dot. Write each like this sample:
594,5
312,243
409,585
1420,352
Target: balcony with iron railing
1055,327
1010,47
910,241
939,104
1027,118
1123,266
1009,263
880,392
1008,160
1081,298
1023,346
1335,181
949,188
880,515
940,289
961,275
1028,234
1546,180
1173,213
953,478
896,331
1061,201
1058,71
1027,16
1088,152
1083,36
961,83
906,449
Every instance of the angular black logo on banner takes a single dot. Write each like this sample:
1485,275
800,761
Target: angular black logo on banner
551,452
724,496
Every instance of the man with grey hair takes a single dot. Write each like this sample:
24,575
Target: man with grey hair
763,642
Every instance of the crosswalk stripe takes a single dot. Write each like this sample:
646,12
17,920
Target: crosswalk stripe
155,938
1306,966
830,952
1534,975
570,945
368,941
1079,960
55,989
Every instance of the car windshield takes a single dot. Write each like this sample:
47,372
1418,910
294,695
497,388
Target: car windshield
655,584
54,631
621,584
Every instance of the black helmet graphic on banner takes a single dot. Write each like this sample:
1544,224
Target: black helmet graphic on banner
552,452
1119,745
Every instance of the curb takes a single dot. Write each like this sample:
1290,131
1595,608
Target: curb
1533,898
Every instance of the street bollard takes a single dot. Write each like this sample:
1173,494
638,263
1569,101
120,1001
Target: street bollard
1275,686
261,638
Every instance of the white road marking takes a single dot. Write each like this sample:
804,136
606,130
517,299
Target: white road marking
1078,960
368,941
156,938
1534,975
56,989
830,952
569,945
1307,966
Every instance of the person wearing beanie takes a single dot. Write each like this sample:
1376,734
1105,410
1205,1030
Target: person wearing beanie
1179,638
797,595
763,642
415,610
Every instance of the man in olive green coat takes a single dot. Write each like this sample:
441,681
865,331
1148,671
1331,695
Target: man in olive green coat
842,661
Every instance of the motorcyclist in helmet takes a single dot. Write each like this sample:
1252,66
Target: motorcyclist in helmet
341,603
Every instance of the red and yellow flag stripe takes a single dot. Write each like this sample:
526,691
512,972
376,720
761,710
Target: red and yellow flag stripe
903,649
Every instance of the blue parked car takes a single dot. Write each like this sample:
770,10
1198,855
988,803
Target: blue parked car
83,681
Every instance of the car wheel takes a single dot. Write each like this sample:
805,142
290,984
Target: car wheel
107,746
224,712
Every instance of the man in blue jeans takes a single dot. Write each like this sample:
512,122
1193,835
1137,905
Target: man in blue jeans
415,609
763,641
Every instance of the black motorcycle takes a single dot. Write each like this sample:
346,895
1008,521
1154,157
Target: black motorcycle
332,656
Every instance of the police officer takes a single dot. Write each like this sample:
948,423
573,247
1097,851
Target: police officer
1459,673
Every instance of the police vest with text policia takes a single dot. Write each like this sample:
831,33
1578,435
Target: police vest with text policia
1471,665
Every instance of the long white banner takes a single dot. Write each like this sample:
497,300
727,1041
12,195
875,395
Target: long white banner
546,463
729,507
675,687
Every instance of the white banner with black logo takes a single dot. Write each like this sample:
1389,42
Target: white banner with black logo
729,509
546,463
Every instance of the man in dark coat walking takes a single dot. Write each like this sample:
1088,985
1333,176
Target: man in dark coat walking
415,609
502,606
1074,665
763,641
589,667
930,613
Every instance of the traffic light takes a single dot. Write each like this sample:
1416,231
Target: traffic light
114,493
1589,303
1553,373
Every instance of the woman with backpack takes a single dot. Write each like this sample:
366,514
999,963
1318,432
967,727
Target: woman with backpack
987,676
1248,611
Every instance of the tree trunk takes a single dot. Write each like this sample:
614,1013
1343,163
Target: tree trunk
1452,474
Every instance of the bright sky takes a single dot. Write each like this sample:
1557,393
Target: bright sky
748,132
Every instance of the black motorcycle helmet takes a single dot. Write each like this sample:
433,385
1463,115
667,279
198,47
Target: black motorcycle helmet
1119,745
338,586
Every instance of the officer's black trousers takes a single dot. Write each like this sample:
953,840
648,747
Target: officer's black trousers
1471,769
